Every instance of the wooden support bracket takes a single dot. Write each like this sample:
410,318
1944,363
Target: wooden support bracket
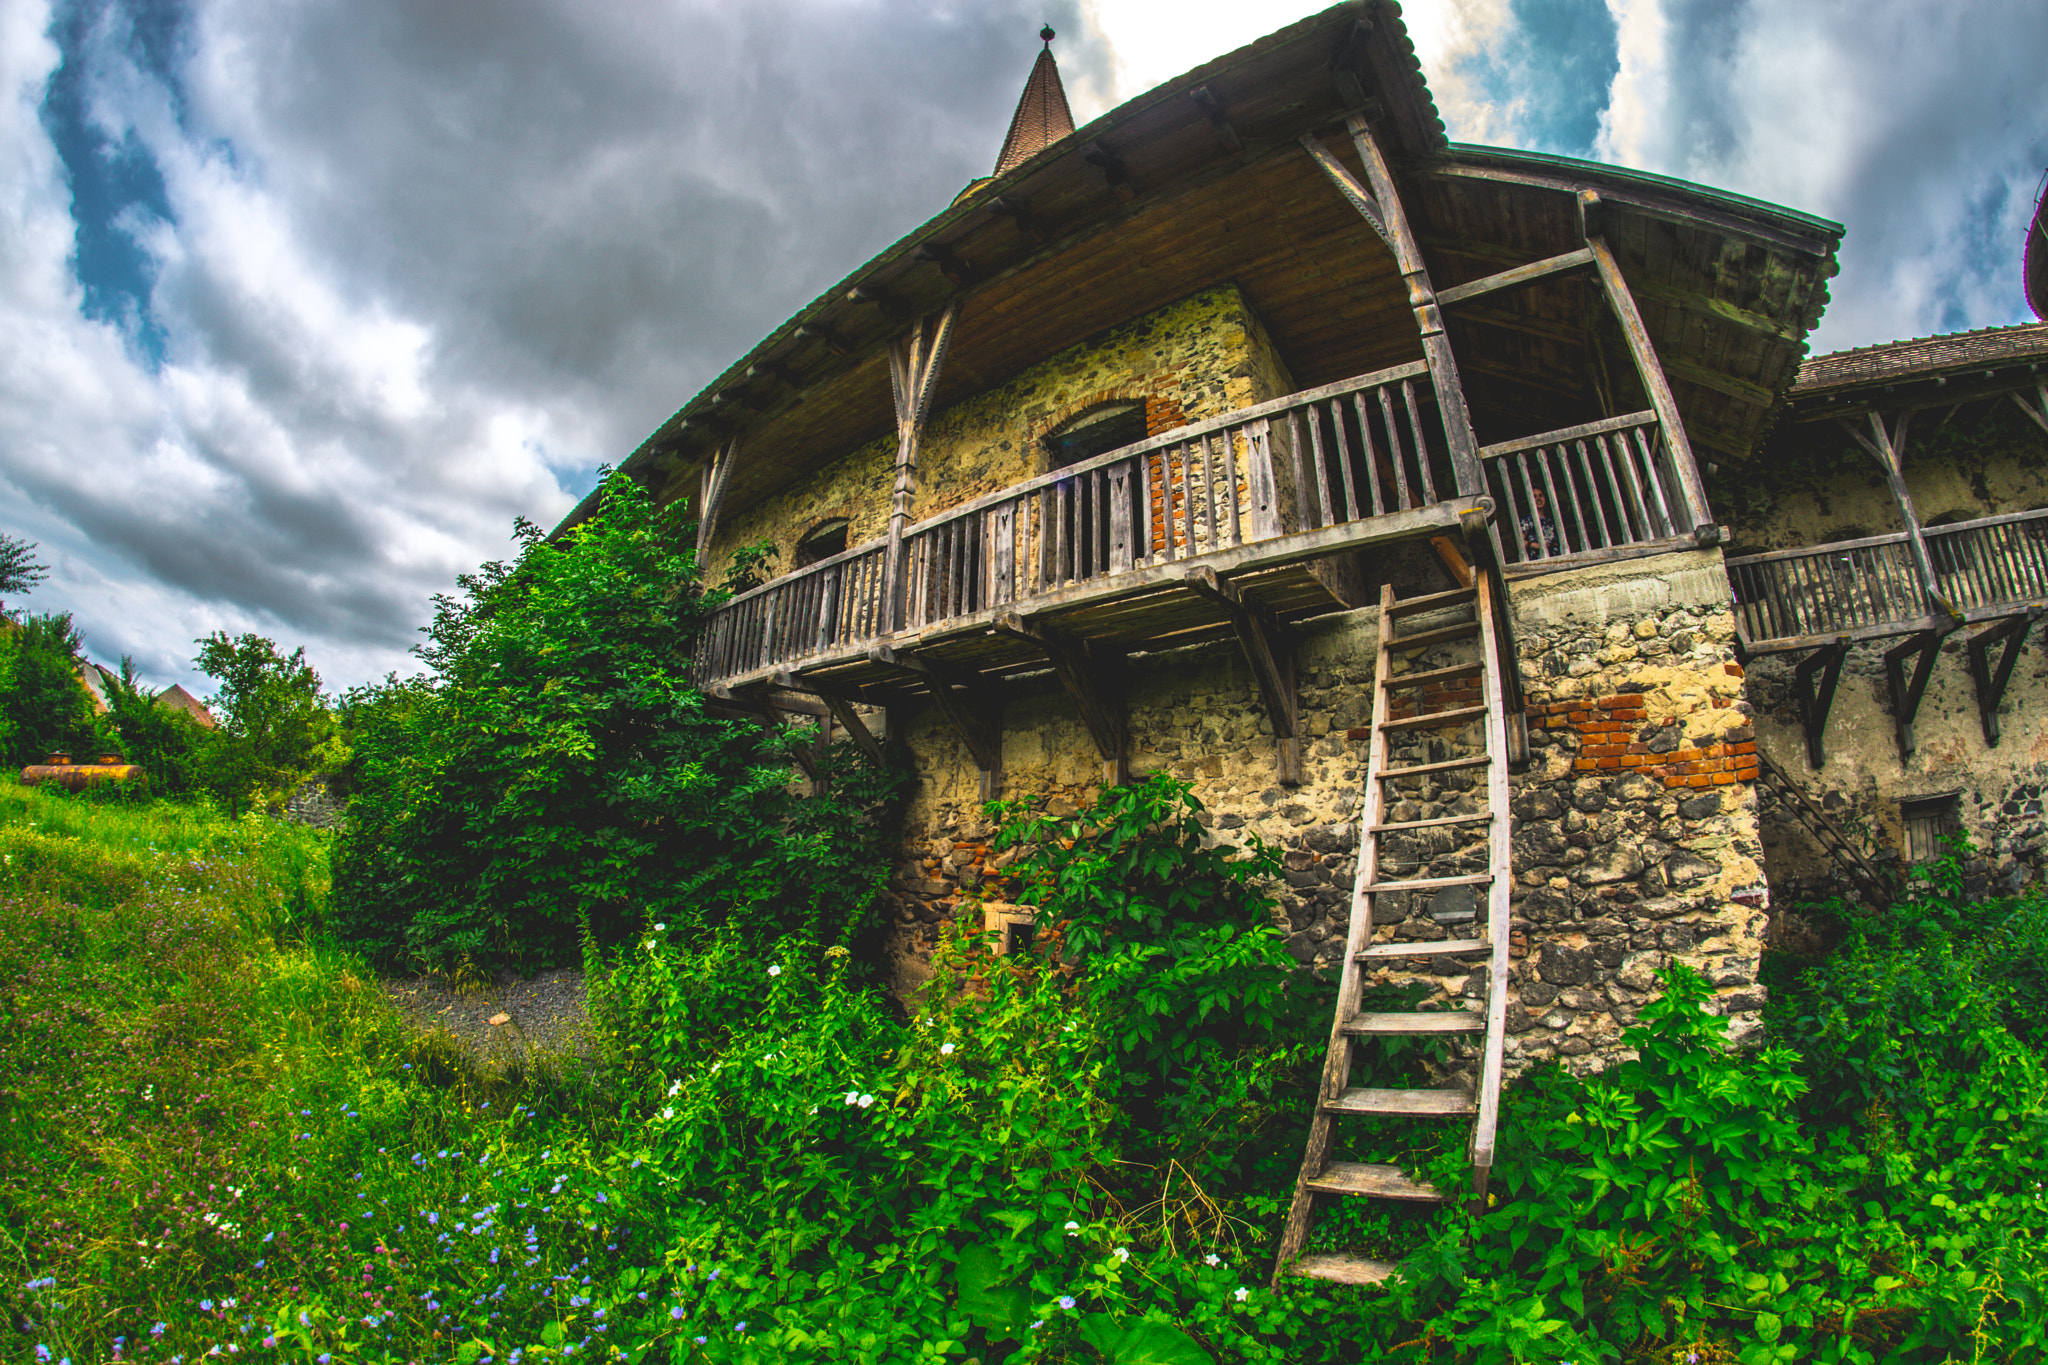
970,703
841,708
1271,656
1094,682
1990,680
762,705
1923,649
1814,704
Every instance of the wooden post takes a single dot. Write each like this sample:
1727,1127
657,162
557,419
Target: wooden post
914,361
1379,201
712,492
1888,448
1649,370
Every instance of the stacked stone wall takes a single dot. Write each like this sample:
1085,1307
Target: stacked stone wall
1621,866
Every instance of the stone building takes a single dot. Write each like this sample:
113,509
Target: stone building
1111,467
995,461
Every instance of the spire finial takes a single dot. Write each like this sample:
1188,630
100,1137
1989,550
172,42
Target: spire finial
1046,35
1042,116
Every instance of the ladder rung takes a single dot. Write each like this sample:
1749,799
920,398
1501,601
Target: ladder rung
1433,637
1479,819
1374,1182
1343,1269
1425,721
1445,766
1430,675
1424,1021
1423,883
1417,947
1456,597
1415,1103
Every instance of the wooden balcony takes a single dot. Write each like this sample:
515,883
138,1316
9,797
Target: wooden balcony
1822,600
1182,537
1853,590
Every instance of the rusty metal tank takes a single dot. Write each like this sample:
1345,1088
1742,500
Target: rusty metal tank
76,777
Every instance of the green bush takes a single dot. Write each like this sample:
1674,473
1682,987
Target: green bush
554,774
43,706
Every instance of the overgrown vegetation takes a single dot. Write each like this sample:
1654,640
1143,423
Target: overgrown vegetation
554,773
222,1141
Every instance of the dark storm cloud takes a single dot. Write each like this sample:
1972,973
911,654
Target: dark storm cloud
1920,127
413,269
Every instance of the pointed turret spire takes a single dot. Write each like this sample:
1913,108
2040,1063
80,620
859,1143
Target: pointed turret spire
1042,116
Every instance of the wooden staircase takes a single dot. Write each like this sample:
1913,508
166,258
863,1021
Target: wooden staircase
1450,759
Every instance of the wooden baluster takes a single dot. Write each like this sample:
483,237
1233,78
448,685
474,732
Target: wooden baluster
1511,529
1635,522
1098,524
1536,514
828,607
1209,493
1372,455
1667,525
1231,482
1188,496
1571,489
1421,440
1349,482
1265,489
1302,521
1550,495
1400,456
1122,551
1323,512
1003,560
1599,503
1041,560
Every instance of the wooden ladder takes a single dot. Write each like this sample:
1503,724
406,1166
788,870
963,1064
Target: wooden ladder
1489,935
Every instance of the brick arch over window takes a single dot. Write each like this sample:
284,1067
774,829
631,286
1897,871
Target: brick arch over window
1160,396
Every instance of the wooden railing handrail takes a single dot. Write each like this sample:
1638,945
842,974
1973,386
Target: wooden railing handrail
1890,538
1194,431
1578,433
807,571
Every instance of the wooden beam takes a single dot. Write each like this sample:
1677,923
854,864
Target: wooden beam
1719,310
755,701
971,704
841,709
914,363
1887,445
2040,414
1991,681
1271,657
1647,368
1453,560
1094,683
1517,278
1429,318
1923,649
1205,100
717,474
1815,702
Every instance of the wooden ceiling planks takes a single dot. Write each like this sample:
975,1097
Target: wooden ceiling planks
1164,209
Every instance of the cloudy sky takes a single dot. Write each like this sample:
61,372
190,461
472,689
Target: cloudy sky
302,301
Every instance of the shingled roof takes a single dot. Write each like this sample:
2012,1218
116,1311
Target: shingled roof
1042,116
1988,348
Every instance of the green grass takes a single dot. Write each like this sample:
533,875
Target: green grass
217,1132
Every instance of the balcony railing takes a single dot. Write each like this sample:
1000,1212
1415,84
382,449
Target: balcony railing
1864,589
1605,486
1350,453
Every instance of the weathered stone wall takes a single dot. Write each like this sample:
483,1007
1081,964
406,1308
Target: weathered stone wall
1814,484
1198,358
1637,857
1863,781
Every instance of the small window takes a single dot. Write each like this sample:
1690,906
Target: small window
1096,432
822,541
1929,820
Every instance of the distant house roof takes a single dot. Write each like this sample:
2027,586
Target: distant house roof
178,698
1957,353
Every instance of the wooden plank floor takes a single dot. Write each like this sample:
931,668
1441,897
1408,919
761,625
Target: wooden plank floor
1149,608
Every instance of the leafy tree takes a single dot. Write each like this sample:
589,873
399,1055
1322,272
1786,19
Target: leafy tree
555,773
18,570
43,705
275,723
172,747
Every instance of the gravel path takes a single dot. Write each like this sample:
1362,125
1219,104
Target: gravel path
505,1019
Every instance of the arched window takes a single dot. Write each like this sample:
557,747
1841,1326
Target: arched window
1095,432
822,541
